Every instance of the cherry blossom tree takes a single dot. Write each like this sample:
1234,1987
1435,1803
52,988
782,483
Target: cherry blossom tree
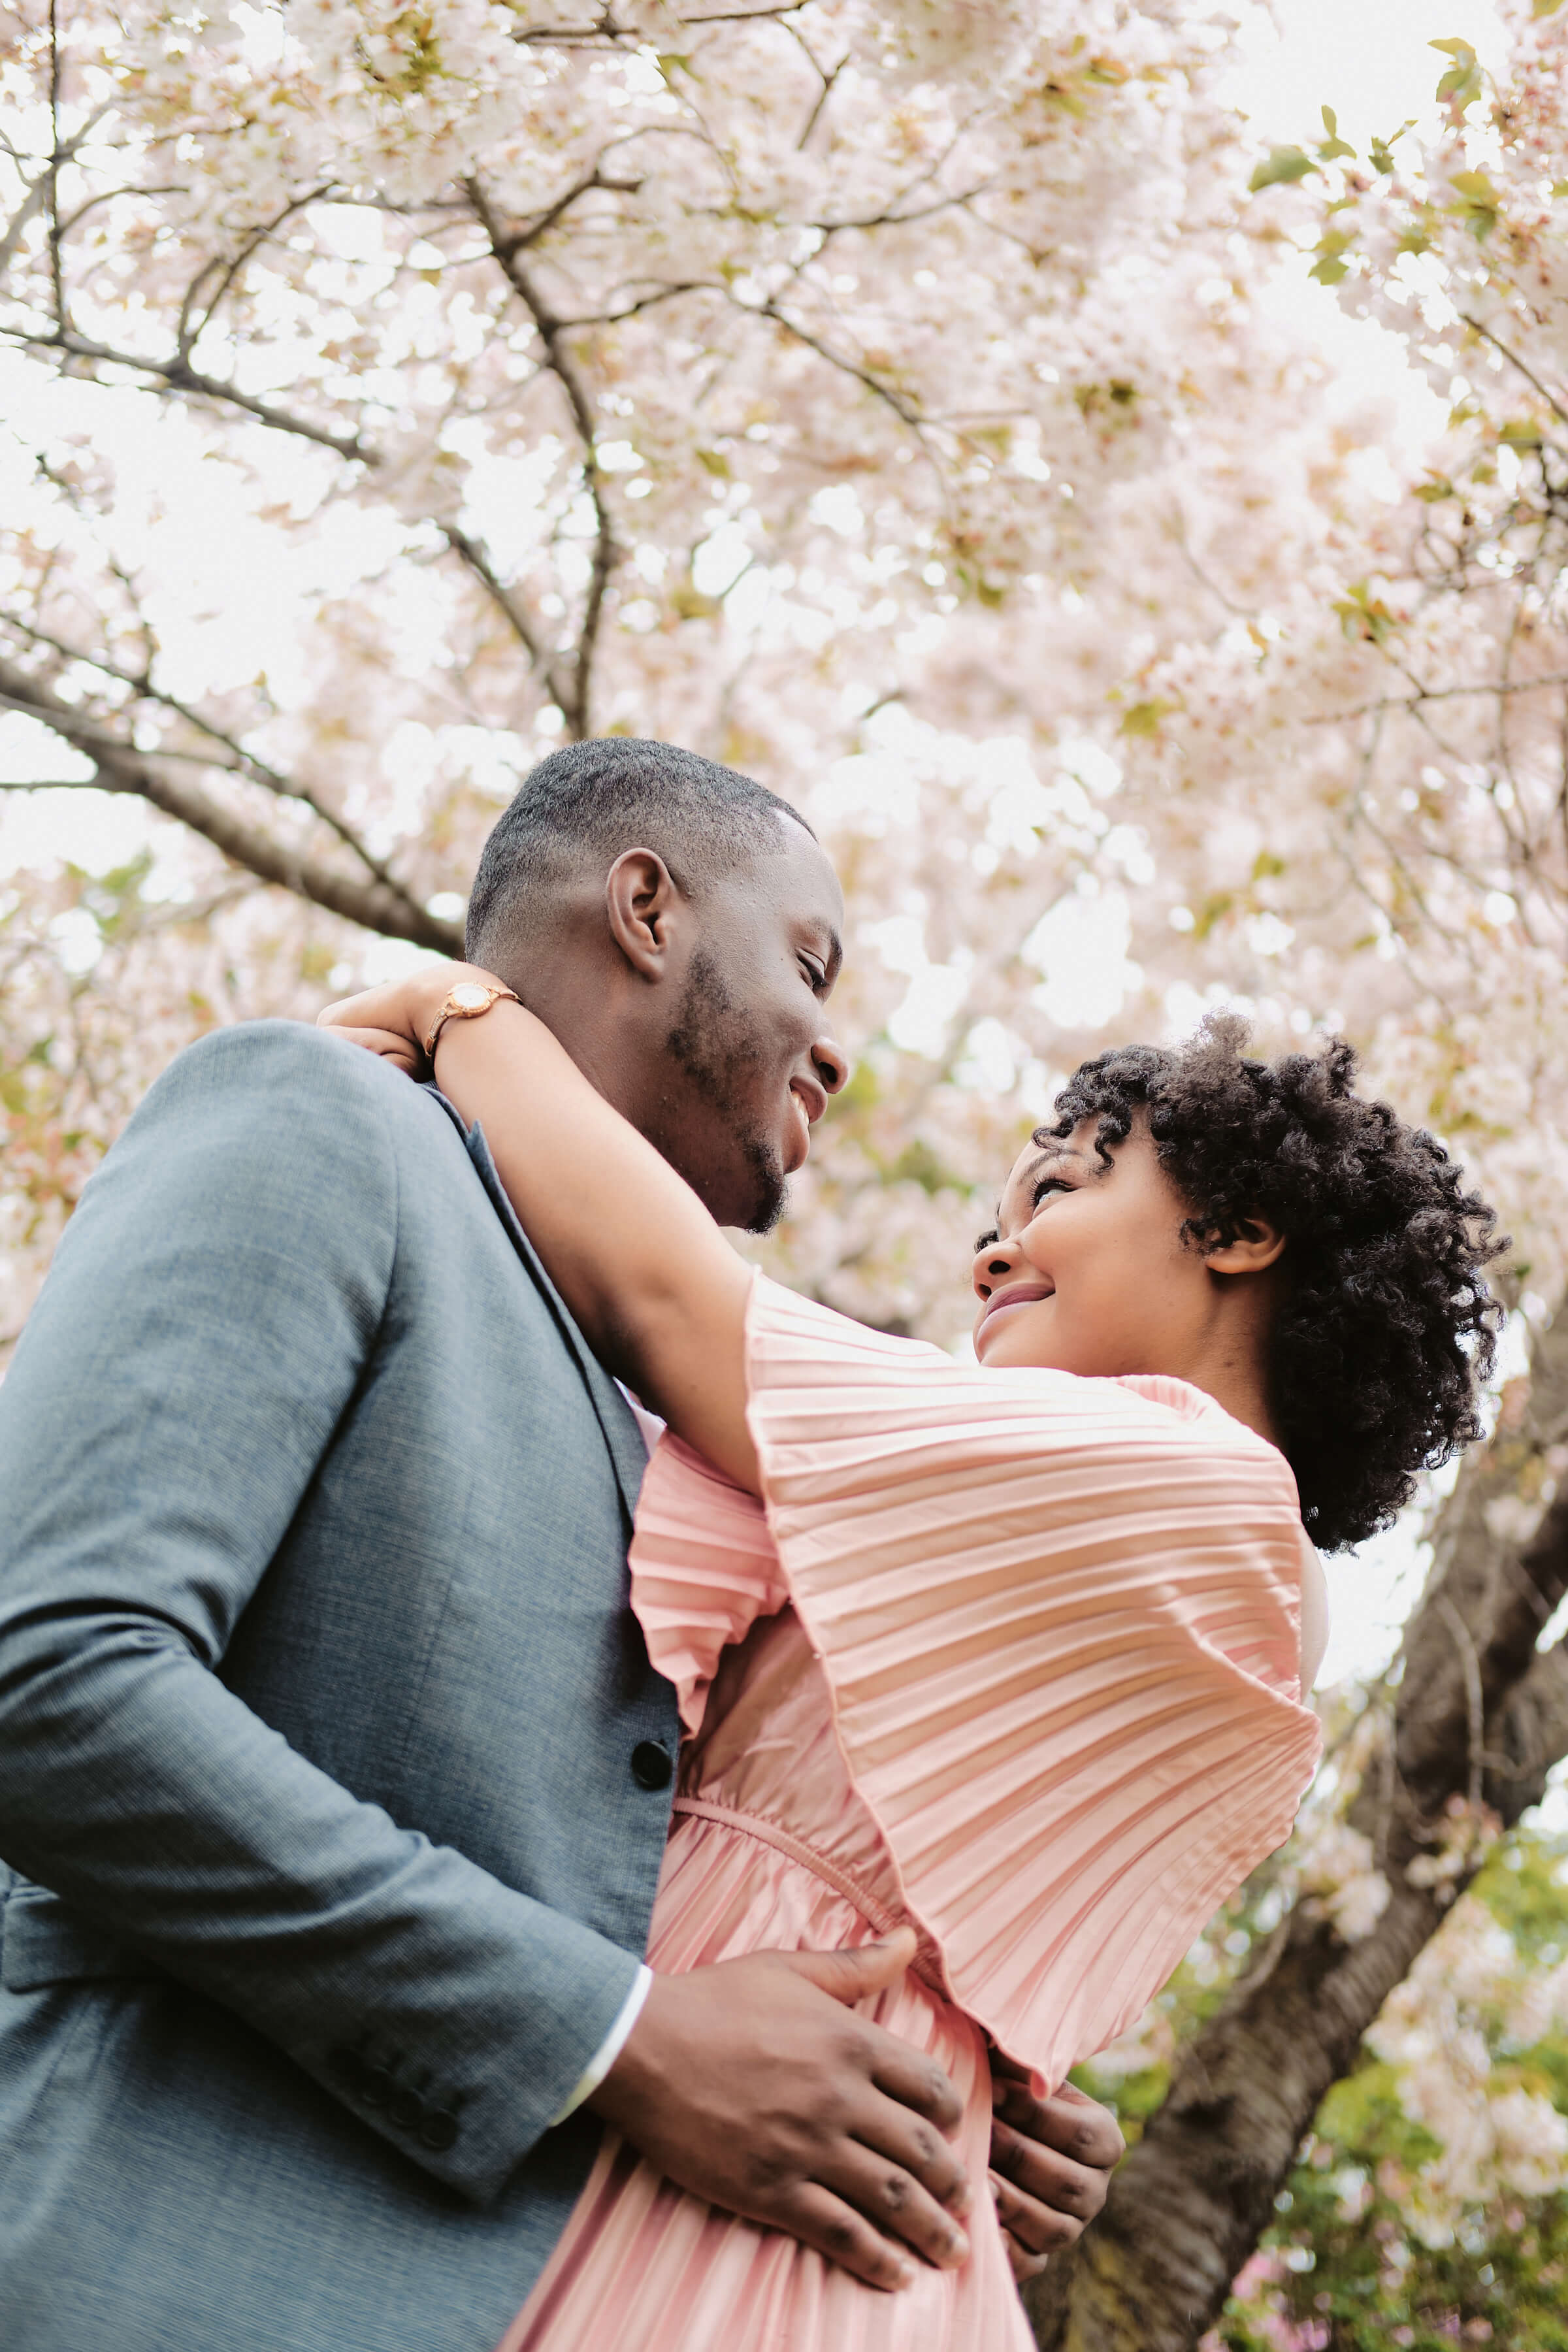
922,405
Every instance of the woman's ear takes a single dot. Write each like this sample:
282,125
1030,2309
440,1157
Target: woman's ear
1257,1245
640,899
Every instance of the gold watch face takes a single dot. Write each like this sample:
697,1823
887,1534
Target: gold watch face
469,997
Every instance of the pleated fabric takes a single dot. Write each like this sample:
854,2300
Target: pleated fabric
1011,1655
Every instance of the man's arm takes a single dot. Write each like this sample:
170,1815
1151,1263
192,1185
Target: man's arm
214,1303
212,1307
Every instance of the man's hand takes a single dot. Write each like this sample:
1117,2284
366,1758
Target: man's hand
754,2085
1051,2162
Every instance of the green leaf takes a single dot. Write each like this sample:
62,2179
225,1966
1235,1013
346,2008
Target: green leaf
1381,151
1478,202
1462,82
1279,167
1329,266
1361,614
1521,434
1333,145
1545,7
1435,488
713,461
1143,717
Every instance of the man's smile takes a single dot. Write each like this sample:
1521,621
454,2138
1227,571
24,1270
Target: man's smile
808,1100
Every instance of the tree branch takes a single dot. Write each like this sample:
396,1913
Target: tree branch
901,408
1514,361
576,703
1438,694
231,754
508,603
117,768
176,375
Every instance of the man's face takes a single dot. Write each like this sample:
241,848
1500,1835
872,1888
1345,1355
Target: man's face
754,1054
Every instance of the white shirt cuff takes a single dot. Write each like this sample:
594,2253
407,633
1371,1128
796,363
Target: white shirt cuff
609,2049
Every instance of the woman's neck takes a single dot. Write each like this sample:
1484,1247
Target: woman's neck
1230,1356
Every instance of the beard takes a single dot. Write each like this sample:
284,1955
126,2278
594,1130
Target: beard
724,1055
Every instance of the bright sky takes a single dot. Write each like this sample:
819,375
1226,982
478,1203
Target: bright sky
1369,59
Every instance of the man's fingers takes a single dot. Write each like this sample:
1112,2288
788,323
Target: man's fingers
857,1972
915,2081
1069,2121
894,2202
1011,2210
817,2217
1052,2198
893,2133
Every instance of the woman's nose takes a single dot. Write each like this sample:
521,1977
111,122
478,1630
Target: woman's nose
992,1264
831,1062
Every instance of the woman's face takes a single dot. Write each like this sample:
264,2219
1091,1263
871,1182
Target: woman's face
1089,1272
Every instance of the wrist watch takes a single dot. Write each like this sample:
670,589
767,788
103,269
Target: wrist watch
466,1002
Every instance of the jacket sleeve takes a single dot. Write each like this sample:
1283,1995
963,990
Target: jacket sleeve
213,1305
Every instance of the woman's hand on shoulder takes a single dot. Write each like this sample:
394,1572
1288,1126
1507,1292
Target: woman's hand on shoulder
394,1019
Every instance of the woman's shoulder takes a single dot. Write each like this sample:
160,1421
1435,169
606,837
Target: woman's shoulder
798,1346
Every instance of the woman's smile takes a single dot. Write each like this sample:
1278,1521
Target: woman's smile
1017,1294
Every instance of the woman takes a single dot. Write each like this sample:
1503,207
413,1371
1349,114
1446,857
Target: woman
1008,1655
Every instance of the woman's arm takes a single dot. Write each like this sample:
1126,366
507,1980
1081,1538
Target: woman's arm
658,1291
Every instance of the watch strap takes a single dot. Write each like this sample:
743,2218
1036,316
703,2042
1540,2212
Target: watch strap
467,1002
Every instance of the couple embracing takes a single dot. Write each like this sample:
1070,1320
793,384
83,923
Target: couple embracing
486,1861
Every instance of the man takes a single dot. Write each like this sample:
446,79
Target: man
334,1780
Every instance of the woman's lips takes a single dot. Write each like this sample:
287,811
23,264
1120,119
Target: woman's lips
1019,1294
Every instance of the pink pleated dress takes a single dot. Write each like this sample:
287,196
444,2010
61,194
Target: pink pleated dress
1011,1656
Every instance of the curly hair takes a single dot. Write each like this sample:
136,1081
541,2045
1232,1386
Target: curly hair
1387,1328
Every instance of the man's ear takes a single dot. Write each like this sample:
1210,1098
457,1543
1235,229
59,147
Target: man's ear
641,900
1257,1245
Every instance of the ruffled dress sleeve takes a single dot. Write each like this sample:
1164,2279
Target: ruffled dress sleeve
1059,1620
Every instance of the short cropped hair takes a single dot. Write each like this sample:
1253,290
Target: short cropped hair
588,802
1387,1328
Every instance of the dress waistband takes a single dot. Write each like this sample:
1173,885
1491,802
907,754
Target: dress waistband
881,1915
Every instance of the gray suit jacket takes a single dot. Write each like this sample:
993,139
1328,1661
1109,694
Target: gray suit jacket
329,1862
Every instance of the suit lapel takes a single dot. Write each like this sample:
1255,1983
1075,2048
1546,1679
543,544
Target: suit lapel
622,1435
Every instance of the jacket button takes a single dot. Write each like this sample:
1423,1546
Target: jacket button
376,2085
406,2109
651,1767
438,2130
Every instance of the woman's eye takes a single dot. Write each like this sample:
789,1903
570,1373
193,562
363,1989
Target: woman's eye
1049,1184
816,973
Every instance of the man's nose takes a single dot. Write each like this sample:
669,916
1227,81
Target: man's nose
831,1063
992,1265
